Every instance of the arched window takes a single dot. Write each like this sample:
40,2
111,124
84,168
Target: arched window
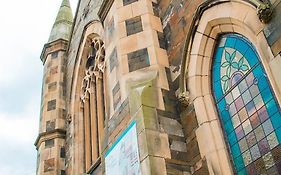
249,113
92,102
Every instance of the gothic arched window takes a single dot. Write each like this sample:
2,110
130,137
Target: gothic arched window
92,102
248,110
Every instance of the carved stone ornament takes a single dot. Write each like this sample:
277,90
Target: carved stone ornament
183,98
265,12
94,67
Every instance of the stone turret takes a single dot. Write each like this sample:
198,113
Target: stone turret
50,142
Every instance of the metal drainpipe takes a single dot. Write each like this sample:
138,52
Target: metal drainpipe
264,11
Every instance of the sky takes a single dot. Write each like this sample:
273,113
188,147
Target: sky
25,26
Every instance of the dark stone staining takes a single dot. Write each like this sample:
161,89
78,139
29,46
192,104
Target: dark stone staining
61,113
85,12
126,2
155,7
49,165
272,31
62,172
122,112
52,86
62,152
116,95
49,143
133,25
51,105
54,54
162,40
110,29
54,70
177,168
63,88
138,59
62,69
50,125
113,61
168,35
170,101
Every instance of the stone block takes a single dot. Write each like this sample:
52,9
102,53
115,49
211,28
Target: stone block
50,125
52,86
142,7
276,47
126,2
142,144
49,143
116,95
128,44
178,146
178,155
138,59
171,126
49,165
158,144
150,118
54,70
206,85
189,122
157,166
122,30
199,43
194,85
133,25
193,152
124,13
195,65
51,105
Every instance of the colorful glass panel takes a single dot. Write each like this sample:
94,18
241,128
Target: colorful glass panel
249,112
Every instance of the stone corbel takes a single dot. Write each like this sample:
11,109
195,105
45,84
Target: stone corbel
264,10
183,98
69,118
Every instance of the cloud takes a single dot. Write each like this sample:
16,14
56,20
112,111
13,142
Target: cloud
24,31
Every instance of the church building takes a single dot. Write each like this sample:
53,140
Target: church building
162,87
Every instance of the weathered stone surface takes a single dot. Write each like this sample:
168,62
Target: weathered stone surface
51,105
158,144
49,165
171,126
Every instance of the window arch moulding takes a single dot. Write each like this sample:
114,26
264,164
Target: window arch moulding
237,17
234,16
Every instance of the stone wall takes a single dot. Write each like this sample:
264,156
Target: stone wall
164,124
87,12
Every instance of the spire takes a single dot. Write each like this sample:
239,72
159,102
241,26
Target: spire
63,24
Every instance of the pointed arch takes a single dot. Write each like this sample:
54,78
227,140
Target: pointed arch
87,105
234,17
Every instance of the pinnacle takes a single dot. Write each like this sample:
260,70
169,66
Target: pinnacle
63,24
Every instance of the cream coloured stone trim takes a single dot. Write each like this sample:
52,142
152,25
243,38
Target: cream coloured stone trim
234,16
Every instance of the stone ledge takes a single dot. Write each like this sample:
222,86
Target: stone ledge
57,45
56,133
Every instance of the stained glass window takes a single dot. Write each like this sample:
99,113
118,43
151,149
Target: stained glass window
249,113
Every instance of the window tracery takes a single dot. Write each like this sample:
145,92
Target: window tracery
92,101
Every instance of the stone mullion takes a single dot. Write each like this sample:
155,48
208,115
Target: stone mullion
87,126
100,107
94,128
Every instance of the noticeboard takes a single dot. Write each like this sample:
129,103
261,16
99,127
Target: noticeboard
123,156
